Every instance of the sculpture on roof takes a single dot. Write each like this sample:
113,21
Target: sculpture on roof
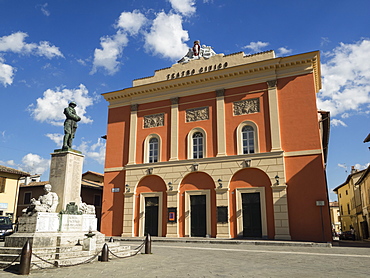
197,51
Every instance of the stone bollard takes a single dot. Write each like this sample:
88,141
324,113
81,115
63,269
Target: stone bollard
111,239
25,262
104,253
148,244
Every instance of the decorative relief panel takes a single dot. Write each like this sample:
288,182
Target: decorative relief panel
154,120
246,106
197,114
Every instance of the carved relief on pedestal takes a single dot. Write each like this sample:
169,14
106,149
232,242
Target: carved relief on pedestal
154,120
246,106
197,114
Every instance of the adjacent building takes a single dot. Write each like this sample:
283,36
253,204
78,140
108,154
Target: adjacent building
9,188
230,146
354,202
335,218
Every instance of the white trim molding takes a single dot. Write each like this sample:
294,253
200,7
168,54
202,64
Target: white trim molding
239,138
188,208
239,208
142,211
190,142
146,147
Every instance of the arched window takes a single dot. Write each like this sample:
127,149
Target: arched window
153,150
248,139
198,145
152,146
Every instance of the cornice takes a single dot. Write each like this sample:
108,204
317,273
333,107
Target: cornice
241,75
208,160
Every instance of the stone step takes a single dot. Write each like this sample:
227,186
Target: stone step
4,264
9,257
63,255
10,250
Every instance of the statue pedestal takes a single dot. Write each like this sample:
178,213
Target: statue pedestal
39,222
45,229
65,176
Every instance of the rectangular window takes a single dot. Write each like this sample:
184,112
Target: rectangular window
2,184
27,198
153,150
222,214
348,209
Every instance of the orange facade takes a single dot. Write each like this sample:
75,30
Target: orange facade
238,158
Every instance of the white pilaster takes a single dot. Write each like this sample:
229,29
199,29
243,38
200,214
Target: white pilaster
274,115
281,215
133,131
174,129
220,115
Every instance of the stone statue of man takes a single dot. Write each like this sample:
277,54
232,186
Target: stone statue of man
45,203
70,125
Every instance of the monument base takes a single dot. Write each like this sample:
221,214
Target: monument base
55,239
45,229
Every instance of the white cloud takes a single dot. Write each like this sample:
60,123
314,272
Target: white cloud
324,41
10,162
15,43
44,10
283,51
346,79
57,138
107,57
342,166
112,46
166,36
256,46
50,107
184,7
34,164
47,50
95,151
336,122
131,22
6,73
361,167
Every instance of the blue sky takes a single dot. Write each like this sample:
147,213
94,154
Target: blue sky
53,52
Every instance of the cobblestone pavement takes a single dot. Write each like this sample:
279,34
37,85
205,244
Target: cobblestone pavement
205,259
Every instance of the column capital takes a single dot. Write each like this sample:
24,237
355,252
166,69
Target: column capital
271,84
134,107
220,92
174,100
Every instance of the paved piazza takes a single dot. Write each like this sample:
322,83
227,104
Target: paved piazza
180,259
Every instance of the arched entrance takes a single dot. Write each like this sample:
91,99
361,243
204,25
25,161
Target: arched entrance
150,207
251,204
197,206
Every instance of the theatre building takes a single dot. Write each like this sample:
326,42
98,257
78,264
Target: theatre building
229,146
